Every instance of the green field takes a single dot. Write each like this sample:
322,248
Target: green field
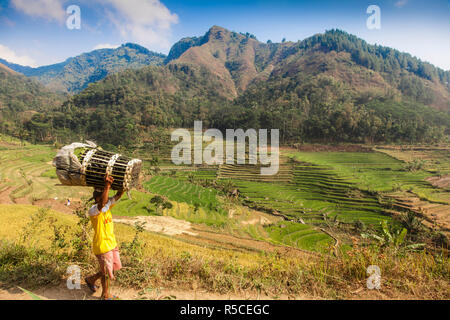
298,235
140,205
183,191
311,191
373,172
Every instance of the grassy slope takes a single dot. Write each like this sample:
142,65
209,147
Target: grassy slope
14,217
161,249
171,263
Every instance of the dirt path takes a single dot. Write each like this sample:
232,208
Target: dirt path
62,293
4,196
162,224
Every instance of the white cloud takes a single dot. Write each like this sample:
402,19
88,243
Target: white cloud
105,46
145,21
47,9
401,3
10,56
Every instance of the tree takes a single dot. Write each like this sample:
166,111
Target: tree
161,204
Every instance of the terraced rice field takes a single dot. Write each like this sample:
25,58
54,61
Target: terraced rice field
436,159
308,194
199,174
313,195
310,190
182,191
381,172
253,172
26,176
371,171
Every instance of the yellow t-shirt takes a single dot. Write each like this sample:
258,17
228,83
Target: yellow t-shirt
104,239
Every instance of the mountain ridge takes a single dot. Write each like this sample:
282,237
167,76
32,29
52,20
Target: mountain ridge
330,87
240,60
75,73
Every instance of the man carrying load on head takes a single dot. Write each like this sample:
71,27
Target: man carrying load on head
104,242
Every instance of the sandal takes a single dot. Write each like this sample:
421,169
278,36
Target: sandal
113,297
92,287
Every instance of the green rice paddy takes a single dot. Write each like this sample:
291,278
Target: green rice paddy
183,191
310,190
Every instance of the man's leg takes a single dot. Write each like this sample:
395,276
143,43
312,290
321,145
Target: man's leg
91,280
105,284
106,265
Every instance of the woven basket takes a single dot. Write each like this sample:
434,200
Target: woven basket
95,164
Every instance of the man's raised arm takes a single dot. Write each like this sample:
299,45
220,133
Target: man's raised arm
118,195
104,198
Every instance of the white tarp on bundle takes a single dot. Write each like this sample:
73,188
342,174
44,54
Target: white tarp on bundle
68,167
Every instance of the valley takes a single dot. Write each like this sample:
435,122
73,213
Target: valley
363,177
312,209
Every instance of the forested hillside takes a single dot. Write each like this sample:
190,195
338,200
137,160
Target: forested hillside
20,98
123,107
331,87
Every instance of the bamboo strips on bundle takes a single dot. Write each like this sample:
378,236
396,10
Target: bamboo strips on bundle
85,165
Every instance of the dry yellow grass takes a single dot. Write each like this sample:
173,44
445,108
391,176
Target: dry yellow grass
13,218
172,263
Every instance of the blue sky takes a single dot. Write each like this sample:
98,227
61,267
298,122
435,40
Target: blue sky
34,32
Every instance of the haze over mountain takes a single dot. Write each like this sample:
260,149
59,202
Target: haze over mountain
74,74
328,87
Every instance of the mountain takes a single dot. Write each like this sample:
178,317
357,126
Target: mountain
74,74
240,60
331,87
21,98
235,58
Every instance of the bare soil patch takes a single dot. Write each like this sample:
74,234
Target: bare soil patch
440,182
162,224
58,205
4,196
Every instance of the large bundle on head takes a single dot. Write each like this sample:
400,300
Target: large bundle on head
86,165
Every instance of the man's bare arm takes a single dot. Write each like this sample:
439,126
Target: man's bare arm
118,195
